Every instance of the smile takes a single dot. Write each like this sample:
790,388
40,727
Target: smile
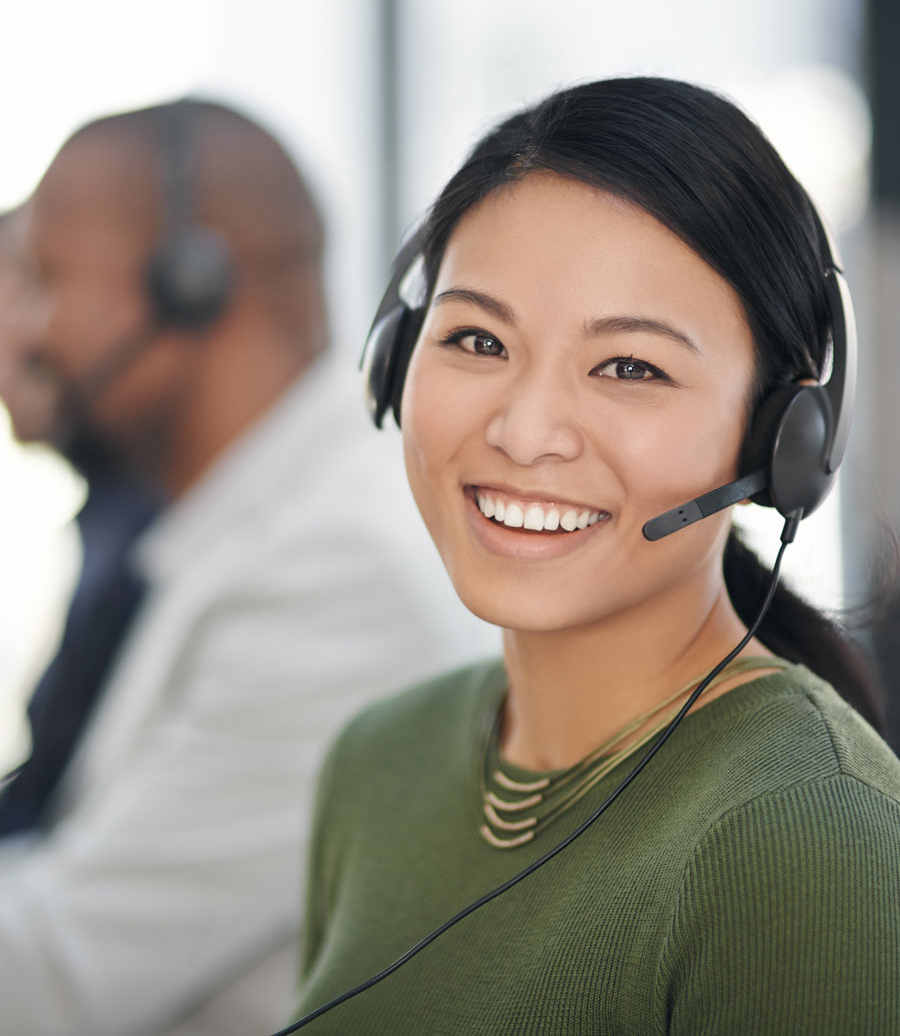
534,516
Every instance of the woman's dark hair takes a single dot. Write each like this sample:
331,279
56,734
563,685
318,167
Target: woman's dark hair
697,164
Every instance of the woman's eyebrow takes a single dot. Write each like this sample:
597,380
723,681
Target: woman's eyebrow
595,328
635,325
478,298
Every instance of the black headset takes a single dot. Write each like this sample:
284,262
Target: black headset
191,271
796,441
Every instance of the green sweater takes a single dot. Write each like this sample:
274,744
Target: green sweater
747,882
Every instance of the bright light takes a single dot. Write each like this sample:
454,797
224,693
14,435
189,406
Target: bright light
38,560
79,61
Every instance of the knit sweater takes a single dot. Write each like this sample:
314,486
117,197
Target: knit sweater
747,882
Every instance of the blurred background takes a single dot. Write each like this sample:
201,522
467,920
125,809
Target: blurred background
378,100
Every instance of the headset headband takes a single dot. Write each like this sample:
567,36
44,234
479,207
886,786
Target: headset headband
841,384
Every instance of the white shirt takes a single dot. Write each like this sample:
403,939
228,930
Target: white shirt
287,588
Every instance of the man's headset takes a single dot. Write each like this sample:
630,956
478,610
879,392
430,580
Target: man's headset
190,274
798,434
795,445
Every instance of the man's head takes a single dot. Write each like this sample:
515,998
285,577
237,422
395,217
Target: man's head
170,393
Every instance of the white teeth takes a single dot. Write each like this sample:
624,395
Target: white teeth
514,518
569,520
534,518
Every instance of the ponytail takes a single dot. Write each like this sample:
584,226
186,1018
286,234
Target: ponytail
796,631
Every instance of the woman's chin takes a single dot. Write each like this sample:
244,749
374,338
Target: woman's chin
520,611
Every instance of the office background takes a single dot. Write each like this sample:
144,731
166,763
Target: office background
378,100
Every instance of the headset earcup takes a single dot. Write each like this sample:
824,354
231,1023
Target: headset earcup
406,343
386,358
189,278
763,434
789,439
377,360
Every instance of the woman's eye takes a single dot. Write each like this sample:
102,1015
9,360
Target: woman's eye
478,342
628,369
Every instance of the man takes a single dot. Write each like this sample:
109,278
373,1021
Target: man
118,506
286,582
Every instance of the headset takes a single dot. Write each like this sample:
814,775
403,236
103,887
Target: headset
190,274
796,440
795,445
191,271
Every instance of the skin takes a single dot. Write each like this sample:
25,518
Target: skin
545,290
94,221
30,400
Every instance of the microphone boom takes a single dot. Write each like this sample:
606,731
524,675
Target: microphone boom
703,506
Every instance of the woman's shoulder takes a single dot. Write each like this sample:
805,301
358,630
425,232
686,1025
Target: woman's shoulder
851,748
790,728
811,755
424,717
772,754
859,751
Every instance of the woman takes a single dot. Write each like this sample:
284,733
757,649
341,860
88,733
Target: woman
614,279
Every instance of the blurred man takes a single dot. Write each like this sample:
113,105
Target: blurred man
286,582
118,506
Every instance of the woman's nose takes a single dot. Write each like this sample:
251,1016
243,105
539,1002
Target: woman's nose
537,421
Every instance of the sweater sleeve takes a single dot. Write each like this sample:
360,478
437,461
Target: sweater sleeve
788,919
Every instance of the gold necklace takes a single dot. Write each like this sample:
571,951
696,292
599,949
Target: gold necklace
504,799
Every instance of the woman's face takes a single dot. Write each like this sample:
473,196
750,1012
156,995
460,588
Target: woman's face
580,371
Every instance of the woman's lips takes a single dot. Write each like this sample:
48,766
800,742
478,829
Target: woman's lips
536,516
521,512
525,528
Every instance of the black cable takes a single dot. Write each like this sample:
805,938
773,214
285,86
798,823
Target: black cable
787,536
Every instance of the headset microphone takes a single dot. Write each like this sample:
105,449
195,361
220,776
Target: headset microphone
74,396
703,506
114,362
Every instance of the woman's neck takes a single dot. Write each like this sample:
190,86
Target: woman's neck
570,691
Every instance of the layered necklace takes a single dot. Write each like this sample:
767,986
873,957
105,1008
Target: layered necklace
517,811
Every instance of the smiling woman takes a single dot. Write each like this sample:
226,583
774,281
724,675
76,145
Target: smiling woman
618,282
